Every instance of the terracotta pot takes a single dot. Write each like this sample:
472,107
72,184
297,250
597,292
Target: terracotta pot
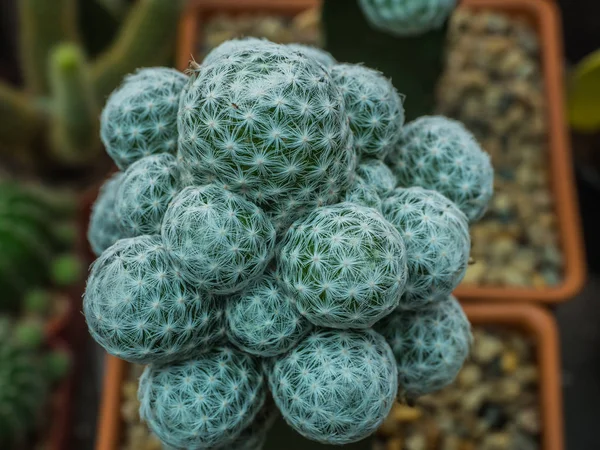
526,318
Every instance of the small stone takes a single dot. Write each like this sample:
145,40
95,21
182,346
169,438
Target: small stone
451,442
475,273
404,413
493,416
473,399
527,374
510,361
469,376
522,441
529,420
496,441
394,444
486,348
416,442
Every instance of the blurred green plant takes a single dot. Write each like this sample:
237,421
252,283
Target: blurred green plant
52,124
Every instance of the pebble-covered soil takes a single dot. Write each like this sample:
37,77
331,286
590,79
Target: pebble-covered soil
493,83
492,405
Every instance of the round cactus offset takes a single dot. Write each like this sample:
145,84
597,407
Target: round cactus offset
270,124
315,53
363,194
407,17
145,192
139,309
263,320
430,345
140,118
335,387
441,154
345,265
377,174
436,236
205,402
221,241
104,228
373,106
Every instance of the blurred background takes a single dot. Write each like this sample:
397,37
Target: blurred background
524,79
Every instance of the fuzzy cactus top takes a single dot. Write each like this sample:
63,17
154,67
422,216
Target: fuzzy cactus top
376,173
407,17
146,190
438,153
430,345
363,193
345,265
206,402
220,240
269,123
263,320
104,228
373,106
335,387
317,54
230,46
436,236
139,309
139,117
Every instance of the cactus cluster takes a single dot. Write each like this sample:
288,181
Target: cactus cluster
272,251
406,17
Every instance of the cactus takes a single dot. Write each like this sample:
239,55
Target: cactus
263,320
139,309
363,194
228,47
377,174
345,265
104,228
442,155
317,54
147,188
335,387
430,345
139,117
52,125
204,402
407,17
23,389
74,126
436,235
373,106
44,25
28,242
221,241
269,123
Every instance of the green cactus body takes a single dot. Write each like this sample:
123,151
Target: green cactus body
74,119
146,39
23,389
44,24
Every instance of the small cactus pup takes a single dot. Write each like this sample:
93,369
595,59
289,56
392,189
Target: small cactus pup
221,241
407,17
139,309
373,106
438,153
263,320
140,117
377,174
436,236
147,188
430,345
362,193
104,228
345,265
268,123
318,54
335,387
205,402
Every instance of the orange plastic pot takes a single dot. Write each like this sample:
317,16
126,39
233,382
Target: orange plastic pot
545,17
529,319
